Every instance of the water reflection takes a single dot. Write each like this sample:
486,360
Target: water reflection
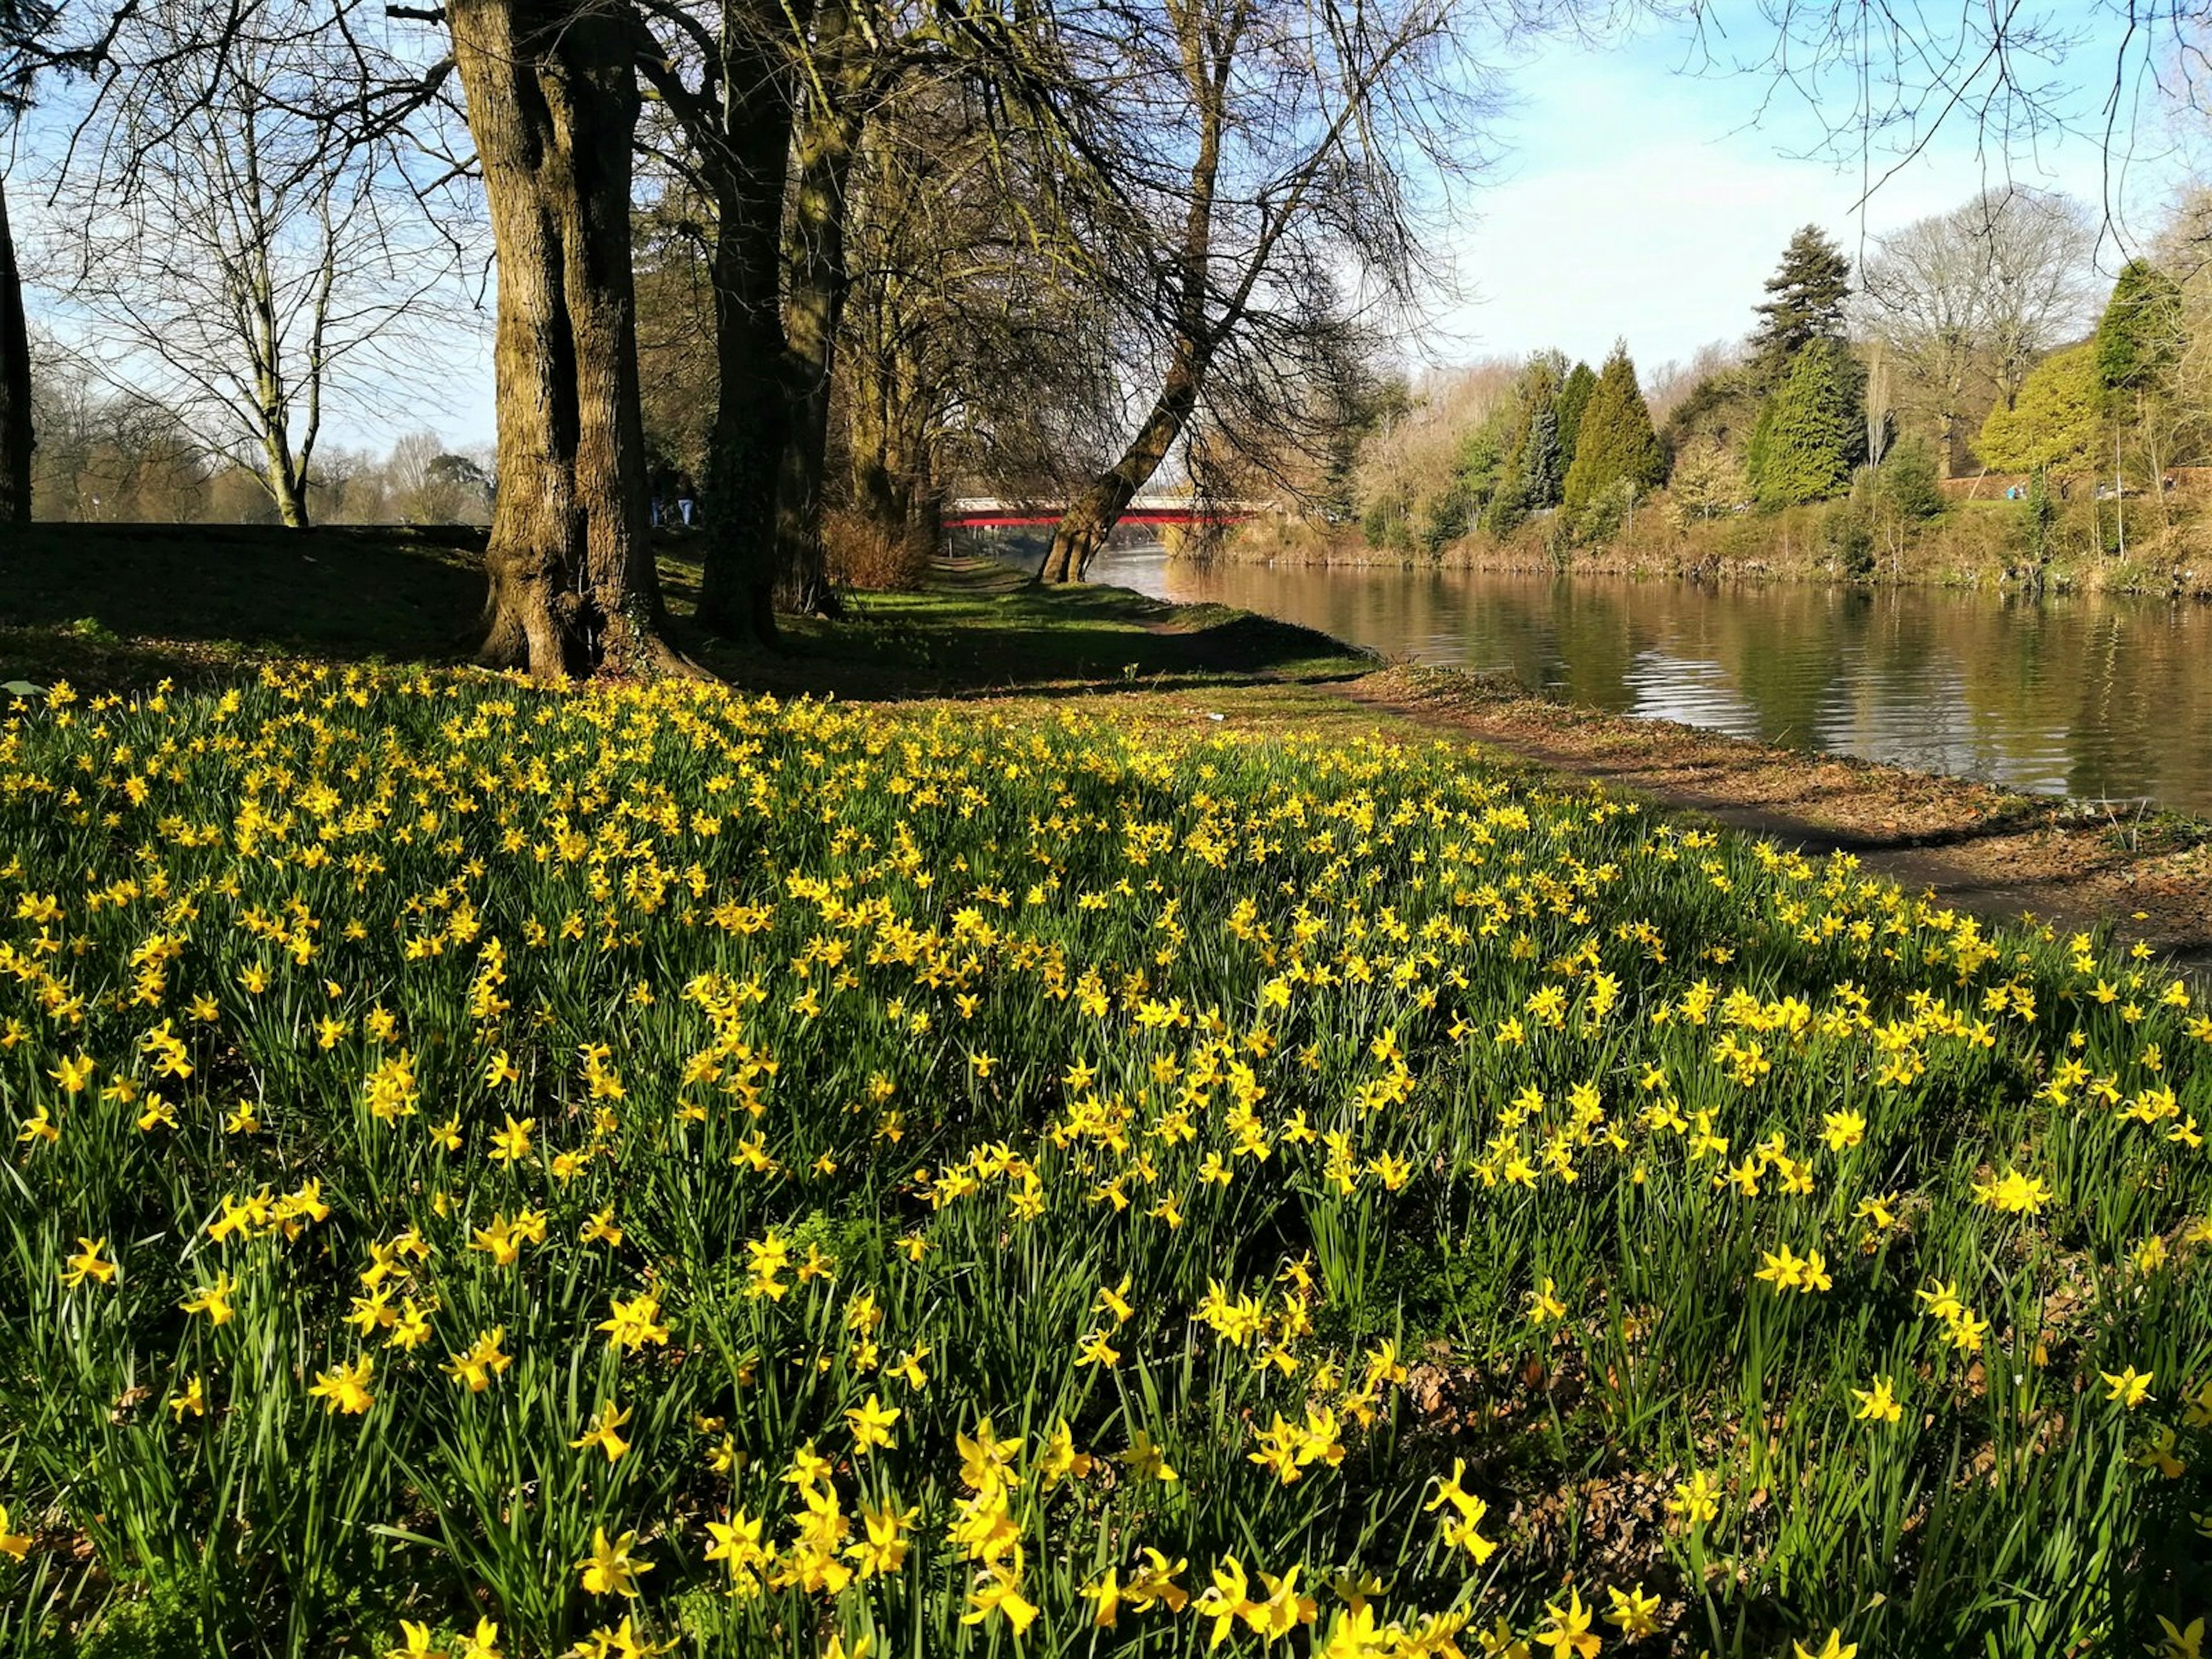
2089,696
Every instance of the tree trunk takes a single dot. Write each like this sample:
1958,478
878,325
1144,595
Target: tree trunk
1083,529
748,161
829,137
288,486
16,438
876,494
1091,517
552,103
925,513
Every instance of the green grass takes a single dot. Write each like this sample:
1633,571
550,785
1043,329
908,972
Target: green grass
130,604
1395,1124
110,606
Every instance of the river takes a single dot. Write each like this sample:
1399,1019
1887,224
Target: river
2102,698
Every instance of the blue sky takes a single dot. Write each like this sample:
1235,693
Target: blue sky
1634,199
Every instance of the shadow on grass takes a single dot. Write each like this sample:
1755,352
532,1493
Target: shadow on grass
128,605
112,606
981,629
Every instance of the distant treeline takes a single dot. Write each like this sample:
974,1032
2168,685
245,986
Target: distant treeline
107,457
1982,338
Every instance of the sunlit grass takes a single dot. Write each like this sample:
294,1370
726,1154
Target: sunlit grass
506,1170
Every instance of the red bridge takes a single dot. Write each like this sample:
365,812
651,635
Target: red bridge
987,512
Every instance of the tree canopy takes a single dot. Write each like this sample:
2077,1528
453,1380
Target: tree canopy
1574,399
2139,335
1813,431
2056,422
1617,443
1807,296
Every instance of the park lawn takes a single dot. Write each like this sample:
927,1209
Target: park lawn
542,1171
110,606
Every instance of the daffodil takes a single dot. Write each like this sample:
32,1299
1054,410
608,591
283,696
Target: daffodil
343,1389
477,1366
1569,1632
634,1324
872,1422
603,1432
1878,1404
610,1569
86,1262
2128,1388
1634,1613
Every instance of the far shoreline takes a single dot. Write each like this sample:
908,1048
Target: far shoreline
1972,545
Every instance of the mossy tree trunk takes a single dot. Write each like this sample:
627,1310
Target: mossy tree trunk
828,136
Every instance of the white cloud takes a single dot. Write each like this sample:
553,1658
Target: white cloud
1641,202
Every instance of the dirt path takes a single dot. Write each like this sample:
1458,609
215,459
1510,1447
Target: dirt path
1987,850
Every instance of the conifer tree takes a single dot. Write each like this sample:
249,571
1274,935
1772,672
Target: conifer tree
2139,335
1529,480
1616,444
1806,302
1574,400
1812,432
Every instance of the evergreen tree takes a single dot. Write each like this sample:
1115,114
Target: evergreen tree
1482,456
1529,479
2139,335
1574,400
1812,432
1908,481
1707,481
1616,444
1806,302
1541,470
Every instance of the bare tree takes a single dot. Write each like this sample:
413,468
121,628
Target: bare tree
1266,153
2042,282
773,99
1924,294
228,249
105,456
1976,296
971,345
17,438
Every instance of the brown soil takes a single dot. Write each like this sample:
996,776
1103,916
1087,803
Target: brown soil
1985,849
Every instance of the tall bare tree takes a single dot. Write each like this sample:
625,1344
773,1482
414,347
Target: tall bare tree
17,437
1264,146
1966,302
725,74
23,24
231,247
971,344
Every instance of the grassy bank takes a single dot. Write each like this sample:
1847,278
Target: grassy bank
565,1172
1121,1132
123,608
1973,543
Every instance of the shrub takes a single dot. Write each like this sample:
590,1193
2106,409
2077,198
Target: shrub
861,553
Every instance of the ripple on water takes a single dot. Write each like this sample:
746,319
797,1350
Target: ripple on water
2101,697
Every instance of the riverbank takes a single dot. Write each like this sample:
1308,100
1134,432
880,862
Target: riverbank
118,609
1971,543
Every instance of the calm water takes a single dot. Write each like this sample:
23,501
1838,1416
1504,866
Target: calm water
2096,697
